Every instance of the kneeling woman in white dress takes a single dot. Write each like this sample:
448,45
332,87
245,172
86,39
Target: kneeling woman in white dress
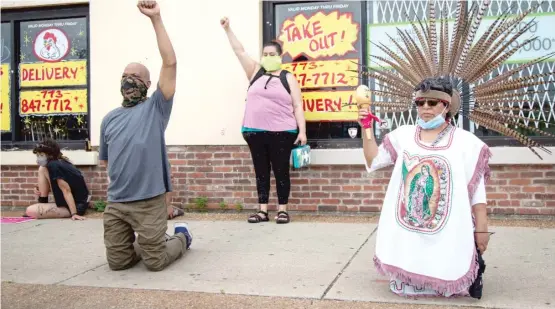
433,226
434,215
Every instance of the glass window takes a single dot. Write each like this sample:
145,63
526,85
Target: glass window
45,82
6,76
322,43
53,96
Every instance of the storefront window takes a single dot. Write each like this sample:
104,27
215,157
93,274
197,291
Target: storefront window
53,79
51,91
323,46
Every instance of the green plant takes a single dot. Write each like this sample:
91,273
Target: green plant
239,207
100,206
223,205
201,203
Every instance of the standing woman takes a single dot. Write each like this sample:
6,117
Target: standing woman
273,122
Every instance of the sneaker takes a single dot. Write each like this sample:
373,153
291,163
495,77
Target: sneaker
183,228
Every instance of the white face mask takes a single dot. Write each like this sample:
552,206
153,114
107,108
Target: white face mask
433,123
42,160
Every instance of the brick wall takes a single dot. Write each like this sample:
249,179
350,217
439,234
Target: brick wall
225,173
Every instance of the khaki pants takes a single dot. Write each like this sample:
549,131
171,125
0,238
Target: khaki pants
149,219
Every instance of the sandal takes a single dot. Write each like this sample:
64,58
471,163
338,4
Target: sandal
177,212
282,217
256,218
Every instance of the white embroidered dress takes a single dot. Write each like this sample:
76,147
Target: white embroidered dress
425,239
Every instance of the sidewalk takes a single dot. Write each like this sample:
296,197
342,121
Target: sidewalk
308,260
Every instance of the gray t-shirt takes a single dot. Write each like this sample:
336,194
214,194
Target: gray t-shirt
132,141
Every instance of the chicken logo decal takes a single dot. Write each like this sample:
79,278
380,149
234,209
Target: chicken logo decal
51,45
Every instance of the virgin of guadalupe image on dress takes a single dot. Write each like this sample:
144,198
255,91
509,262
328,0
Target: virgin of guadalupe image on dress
420,192
424,193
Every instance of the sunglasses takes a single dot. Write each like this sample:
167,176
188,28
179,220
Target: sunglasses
431,102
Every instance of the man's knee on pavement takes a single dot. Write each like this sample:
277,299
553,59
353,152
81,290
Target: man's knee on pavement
116,267
122,263
154,264
121,256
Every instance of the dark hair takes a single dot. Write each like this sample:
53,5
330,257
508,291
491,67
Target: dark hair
51,148
442,84
436,83
274,44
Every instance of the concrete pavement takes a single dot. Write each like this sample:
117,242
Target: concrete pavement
314,261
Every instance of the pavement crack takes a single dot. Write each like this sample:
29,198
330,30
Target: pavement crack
22,229
79,274
347,265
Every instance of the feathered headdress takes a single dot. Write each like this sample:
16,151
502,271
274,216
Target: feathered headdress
432,52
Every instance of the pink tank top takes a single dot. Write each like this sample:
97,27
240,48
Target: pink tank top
269,106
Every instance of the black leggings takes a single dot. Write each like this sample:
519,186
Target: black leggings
271,150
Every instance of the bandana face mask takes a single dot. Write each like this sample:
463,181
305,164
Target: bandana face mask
133,91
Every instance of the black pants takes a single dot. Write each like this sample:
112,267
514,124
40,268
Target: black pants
271,150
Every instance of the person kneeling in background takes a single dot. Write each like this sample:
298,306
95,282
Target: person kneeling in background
67,184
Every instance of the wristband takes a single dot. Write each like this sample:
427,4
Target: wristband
367,124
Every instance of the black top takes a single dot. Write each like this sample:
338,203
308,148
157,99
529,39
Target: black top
61,169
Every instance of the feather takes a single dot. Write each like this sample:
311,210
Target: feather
508,74
511,95
423,43
399,82
514,119
484,60
487,122
481,46
489,66
432,29
444,43
403,67
418,54
500,35
472,33
515,84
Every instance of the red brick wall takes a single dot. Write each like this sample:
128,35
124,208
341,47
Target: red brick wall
225,173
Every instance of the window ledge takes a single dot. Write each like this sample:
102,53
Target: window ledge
500,156
24,158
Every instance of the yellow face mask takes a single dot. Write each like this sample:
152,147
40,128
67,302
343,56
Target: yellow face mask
271,63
